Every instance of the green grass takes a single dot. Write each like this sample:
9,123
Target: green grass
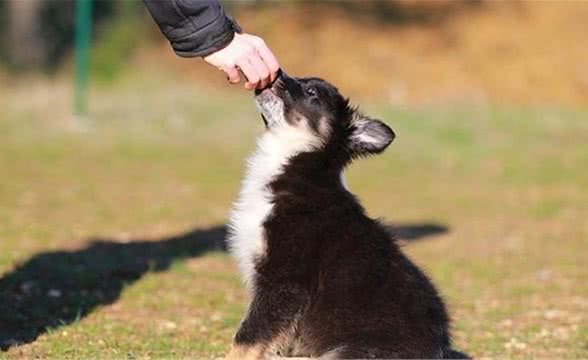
99,210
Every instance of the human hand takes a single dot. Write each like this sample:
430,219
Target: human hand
249,54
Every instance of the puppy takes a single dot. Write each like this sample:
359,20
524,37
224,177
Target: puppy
325,279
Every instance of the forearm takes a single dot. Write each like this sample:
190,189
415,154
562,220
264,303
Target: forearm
193,27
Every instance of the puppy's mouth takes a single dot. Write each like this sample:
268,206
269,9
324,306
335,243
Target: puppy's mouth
264,120
270,89
270,106
269,103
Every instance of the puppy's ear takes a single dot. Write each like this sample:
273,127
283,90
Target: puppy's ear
369,136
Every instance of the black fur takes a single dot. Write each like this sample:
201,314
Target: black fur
332,279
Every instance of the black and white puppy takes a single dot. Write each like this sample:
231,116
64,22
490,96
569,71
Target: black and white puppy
325,279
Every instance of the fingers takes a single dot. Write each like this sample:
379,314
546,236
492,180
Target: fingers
251,55
250,73
267,57
255,70
270,61
261,70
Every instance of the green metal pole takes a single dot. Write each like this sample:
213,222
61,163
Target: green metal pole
82,54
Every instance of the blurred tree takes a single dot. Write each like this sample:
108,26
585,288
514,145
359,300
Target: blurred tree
3,33
25,46
39,33
57,25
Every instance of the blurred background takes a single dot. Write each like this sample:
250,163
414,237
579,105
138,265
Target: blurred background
112,213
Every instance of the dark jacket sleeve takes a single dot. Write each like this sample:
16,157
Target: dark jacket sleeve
193,27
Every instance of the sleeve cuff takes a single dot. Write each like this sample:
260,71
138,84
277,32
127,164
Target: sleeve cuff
212,38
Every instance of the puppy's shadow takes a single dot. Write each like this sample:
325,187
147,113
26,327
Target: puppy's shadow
55,288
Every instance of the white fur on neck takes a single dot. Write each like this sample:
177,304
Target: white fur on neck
247,240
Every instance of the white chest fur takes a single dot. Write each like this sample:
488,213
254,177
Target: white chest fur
246,239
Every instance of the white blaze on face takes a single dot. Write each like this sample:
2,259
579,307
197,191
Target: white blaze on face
275,147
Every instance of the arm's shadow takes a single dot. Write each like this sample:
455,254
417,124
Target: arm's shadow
55,288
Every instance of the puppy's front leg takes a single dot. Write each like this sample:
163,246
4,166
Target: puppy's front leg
272,314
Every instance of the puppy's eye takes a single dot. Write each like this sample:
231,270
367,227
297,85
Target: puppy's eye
311,92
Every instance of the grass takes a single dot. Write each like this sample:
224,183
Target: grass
110,226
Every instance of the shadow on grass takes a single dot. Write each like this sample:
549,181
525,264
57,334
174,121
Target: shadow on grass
411,232
53,289
56,288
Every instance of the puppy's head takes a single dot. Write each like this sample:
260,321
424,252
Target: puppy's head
322,118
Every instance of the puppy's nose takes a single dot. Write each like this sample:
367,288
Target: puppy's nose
282,75
283,80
